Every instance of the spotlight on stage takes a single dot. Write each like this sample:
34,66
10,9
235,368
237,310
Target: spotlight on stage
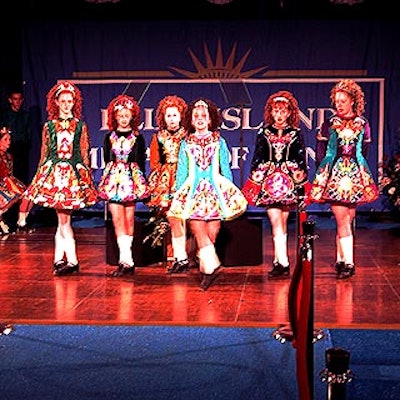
6,329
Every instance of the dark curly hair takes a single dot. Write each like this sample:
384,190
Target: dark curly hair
215,116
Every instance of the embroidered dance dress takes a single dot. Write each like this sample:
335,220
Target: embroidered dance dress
63,179
164,149
205,188
342,174
11,188
123,179
278,170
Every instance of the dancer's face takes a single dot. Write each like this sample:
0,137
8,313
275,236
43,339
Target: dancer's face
172,118
5,142
200,119
65,102
344,104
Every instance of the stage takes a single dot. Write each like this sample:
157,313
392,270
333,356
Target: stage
241,297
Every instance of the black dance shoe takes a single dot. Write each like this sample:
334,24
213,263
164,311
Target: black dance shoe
208,279
278,271
122,270
67,269
339,266
346,272
179,267
58,265
24,229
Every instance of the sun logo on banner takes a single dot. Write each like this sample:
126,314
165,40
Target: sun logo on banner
218,69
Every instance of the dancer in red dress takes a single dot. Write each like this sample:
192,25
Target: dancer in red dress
63,180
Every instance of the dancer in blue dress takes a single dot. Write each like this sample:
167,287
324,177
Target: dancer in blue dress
205,192
343,178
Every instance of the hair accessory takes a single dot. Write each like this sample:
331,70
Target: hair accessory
281,98
65,87
123,103
345,86
201,103
4,130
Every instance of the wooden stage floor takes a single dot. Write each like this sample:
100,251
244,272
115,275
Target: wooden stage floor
241,297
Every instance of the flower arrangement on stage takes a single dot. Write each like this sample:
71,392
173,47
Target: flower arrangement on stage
389,179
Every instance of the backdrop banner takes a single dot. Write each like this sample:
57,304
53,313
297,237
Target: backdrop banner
222,62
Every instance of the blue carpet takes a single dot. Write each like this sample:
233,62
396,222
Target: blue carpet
374,360
58,362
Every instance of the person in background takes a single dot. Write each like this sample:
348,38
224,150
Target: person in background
123,182
278,173
11,188
205,193
63,180
343,178
164,148
19,121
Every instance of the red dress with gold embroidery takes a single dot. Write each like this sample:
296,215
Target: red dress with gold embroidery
164,149
63,179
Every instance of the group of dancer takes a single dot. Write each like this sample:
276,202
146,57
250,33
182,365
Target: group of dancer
190,182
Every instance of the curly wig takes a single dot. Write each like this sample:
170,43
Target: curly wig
53,109
282,97
118,103
354,91
169,101
213,111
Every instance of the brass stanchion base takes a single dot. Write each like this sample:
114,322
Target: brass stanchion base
285,334
6,329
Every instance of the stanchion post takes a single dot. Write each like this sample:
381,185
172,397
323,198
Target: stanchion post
337,373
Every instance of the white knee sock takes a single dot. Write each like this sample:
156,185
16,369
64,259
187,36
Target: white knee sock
346,244
339,251
130,258
280,248
22,218
70,250
58,247
125,249
179,248
209,260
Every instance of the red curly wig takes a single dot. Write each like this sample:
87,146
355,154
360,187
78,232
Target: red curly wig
169,101
283,97
119,102
53,109
354,91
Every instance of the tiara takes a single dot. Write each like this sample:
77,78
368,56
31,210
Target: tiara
345,86
65,87
281,98
121,104
201,103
